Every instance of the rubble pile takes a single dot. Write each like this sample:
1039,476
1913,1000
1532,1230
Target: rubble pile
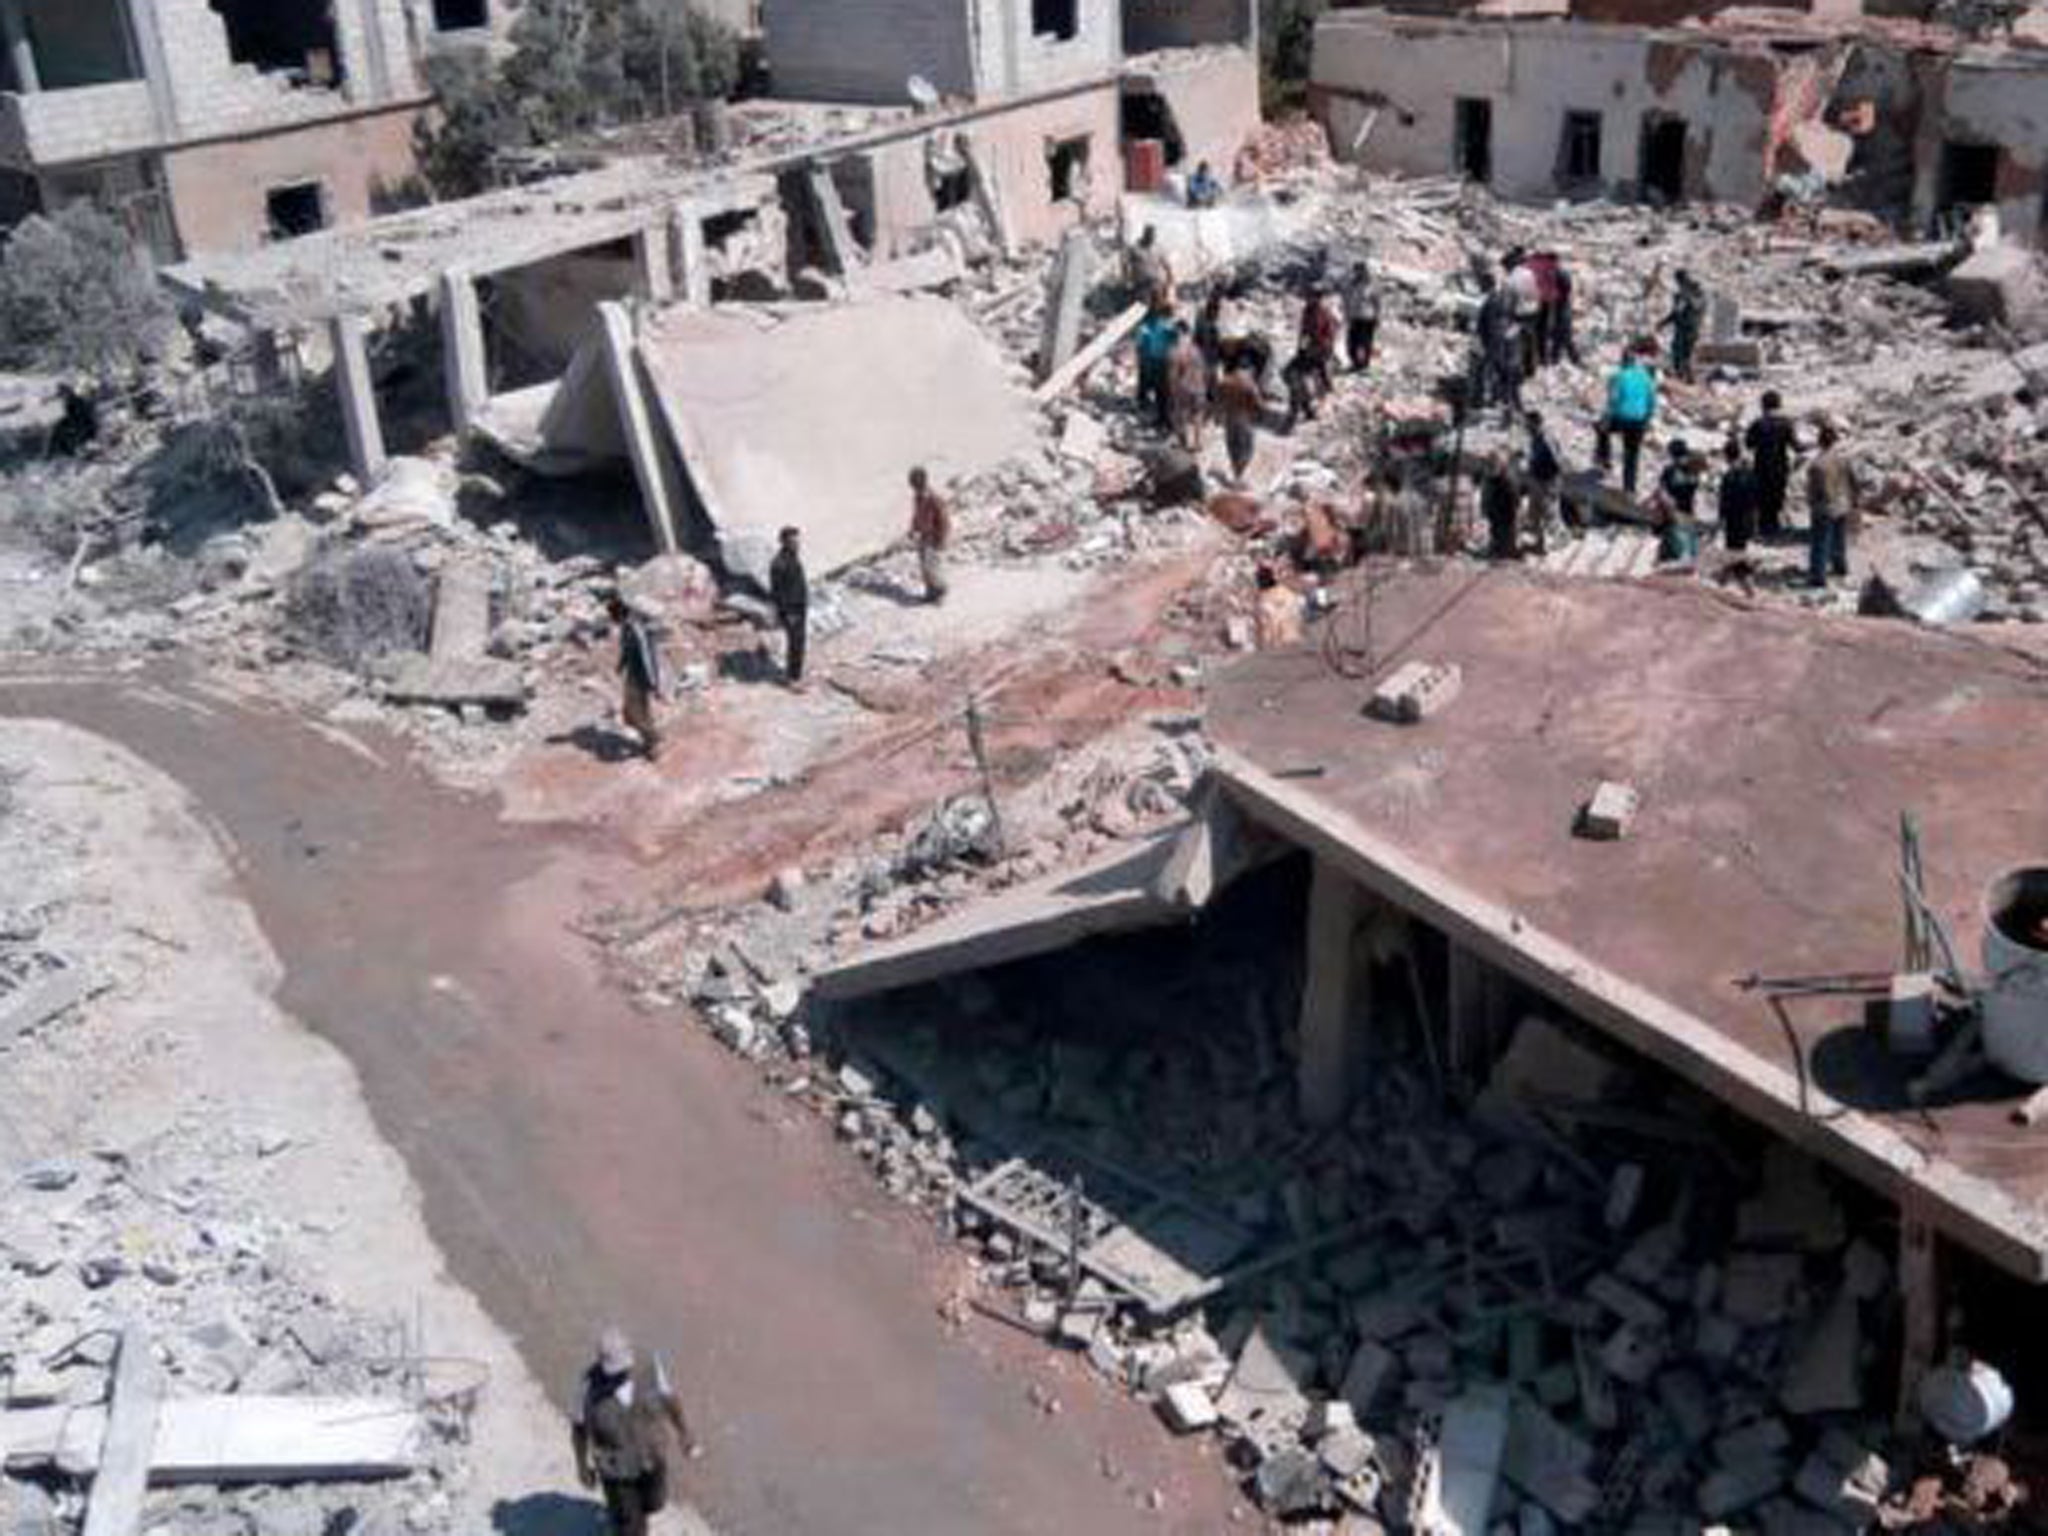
1643,1320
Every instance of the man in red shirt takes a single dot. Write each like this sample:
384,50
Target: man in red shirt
931,530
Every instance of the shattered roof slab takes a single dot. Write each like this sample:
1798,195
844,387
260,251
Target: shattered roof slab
815,415
1774,753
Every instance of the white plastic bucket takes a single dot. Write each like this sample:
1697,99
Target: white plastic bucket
2016,958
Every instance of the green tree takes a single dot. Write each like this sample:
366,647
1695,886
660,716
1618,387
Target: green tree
574,65
78,295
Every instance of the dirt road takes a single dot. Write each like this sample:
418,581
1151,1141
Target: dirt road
581,1161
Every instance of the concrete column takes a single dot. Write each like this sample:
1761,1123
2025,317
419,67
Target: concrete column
692,261
462,350
145,30
358,391
1332,996
660,489
655,268
1477,1013
20,51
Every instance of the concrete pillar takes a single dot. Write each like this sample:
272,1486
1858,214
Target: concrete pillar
654,267
462,350
842,253
1476,1014
21,52
660,489
146,28
692,261
358,393
1073,275
1333,996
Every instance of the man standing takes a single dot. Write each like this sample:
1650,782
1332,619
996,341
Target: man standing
1677,501
1155,344
1500,375
1240,404
1525,305
1631,407
1688,309
1319,340
627,1416
1739,500
1831,501
931,530
1187,388
639,669
1542,470
1151,274
790,591
1774,442
1500,498
1361,317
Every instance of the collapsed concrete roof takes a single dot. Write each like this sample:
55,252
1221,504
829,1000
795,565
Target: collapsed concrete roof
1774,753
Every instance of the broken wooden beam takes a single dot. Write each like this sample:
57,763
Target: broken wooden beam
1106,341
121,1471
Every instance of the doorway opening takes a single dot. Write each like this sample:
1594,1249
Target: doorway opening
1663,164
1472,142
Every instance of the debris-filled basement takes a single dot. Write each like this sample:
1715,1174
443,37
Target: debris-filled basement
1024,768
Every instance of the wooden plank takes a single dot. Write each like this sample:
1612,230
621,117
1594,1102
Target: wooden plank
1077,366
114,1506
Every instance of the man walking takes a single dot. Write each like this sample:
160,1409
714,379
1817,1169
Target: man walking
1240,404
1631,407
1688,309
1542,471
1156,337
1187,389
626,1418
931,530
1361,317
1831,502
1774,443
789,589
639,669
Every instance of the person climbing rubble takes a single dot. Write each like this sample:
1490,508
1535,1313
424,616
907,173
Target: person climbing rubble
1688,309
1542,474
1361,317
931,531
1156,337
627,1421
1631,408
639,669
1240,404
1676,505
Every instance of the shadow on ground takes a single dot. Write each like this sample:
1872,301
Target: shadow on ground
549,1514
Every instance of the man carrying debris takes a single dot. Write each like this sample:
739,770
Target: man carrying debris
1361,317
1831,503
626,1415
1240,404
639,669
789,589
1150,273
1688,309
931,530
1277,617
1774,442
1631,407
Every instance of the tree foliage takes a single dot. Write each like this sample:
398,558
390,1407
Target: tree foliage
1287,29
76,295
574,66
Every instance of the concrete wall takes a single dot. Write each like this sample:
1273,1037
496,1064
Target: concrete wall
2002,102
218,191
1013,144
1415,72
1013,61
1214,97
1152,24
58,127
866,50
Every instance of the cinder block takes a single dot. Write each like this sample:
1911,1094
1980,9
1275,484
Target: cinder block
1416,690
1909,1015
1608,815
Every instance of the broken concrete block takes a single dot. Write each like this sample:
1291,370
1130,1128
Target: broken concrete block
1758,1440
1347,1453
1550,1464
1998,285
1760,1290
1730,1490
1825,1374
1624,1194
1372,1369
1265,1384
1416,690
1625,1302
1472,1444
1633,1354
1843,1479
1743,352
1186,1408
1608,815
1292,1483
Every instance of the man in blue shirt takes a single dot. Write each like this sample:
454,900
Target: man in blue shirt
1631,407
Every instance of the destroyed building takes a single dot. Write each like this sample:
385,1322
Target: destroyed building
1905,118
211,124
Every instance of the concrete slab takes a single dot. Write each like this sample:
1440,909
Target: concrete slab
815,416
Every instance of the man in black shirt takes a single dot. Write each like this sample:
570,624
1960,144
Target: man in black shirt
1773,444
790,590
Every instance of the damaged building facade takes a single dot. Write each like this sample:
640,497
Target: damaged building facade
1041,100
210,124
1899,117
